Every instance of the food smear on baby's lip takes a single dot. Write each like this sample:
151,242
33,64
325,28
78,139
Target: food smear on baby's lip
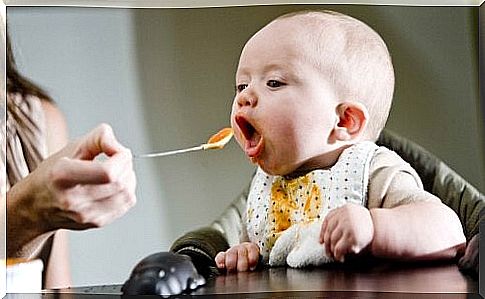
220,139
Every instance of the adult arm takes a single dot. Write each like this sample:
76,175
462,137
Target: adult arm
22,222
58,271
70,190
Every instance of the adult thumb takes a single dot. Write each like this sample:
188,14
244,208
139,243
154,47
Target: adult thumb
100,140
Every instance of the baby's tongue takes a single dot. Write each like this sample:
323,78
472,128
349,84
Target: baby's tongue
253,144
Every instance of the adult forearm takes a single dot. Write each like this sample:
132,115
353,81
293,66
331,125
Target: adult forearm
26,232
425,230
58,270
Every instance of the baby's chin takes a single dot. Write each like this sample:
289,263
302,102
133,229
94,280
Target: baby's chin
275,168
272,166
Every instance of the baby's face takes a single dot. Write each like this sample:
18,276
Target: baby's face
283,111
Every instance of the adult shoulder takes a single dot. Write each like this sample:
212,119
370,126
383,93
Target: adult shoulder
56,126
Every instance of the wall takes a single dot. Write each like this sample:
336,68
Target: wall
86,59
164,78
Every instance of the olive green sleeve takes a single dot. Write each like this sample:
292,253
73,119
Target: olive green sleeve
202,245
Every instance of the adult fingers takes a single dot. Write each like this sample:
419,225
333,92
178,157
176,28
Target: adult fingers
86,193
119,165
122,159
123,181
110,210
242,259
81,196
122,165
89,194
102,212
67,172
100,140
128,177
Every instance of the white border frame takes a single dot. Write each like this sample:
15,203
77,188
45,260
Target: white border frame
228,3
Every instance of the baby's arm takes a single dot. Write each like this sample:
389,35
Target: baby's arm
419,230
415,231
405,221
241,257
410,223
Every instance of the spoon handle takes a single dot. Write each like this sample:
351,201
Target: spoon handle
169,153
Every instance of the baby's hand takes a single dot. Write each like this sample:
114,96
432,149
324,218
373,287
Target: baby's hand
347,229
239,258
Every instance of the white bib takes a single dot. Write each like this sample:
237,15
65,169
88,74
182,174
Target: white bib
284,216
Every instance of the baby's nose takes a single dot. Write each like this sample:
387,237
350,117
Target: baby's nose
247,99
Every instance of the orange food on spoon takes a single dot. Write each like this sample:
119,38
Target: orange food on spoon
220,139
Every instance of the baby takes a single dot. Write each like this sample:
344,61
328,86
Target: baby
313,92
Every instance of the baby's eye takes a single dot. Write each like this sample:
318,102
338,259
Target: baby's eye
241,87
274,83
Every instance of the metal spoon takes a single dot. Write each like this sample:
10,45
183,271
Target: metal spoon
216,141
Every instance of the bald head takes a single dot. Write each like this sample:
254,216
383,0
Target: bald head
351,55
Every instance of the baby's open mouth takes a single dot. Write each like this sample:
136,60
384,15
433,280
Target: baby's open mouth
253,144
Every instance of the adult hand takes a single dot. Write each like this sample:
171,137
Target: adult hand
241,257
72,190
347,229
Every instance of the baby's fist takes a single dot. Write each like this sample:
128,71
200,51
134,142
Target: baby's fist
239,257
347,229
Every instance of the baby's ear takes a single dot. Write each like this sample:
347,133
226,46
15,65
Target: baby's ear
352,120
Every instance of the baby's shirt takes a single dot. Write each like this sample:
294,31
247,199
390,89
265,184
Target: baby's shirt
393,182
294,209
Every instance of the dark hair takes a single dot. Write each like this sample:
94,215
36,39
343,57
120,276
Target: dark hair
17,83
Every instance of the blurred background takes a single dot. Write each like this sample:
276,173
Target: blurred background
164,79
